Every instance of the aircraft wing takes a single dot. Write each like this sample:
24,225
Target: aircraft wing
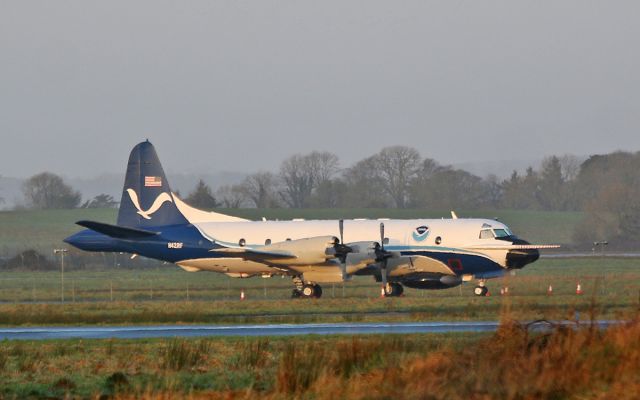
307,251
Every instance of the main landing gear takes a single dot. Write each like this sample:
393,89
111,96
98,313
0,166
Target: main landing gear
308,290
481,289
393,289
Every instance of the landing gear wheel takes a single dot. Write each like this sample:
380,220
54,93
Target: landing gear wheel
296,294
317,289
309,291
480,290
393,289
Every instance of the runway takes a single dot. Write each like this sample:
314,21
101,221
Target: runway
166,331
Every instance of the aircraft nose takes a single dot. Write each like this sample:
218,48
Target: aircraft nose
519,258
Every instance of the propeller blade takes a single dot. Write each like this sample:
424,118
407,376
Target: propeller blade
382,235
383,274
341,226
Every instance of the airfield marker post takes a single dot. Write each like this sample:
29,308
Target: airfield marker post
61,252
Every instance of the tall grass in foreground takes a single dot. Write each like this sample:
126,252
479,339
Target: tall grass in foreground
511,364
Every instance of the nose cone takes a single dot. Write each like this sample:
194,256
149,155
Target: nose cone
89,240
519,258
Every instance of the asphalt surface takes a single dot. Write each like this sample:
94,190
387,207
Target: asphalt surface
166,331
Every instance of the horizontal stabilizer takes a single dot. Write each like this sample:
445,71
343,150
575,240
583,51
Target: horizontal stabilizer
115,231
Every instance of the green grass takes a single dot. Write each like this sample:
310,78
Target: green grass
170,295
45,229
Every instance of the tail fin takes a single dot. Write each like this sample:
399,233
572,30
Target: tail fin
147,200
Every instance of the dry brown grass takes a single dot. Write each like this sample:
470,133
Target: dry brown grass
512,364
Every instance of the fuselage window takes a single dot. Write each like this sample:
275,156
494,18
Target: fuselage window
438,240
486,234
267,242
242,242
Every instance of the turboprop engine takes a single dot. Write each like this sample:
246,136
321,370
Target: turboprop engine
308,251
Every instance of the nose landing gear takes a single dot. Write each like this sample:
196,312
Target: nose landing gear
481,289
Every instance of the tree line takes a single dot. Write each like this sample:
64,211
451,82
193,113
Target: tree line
606,187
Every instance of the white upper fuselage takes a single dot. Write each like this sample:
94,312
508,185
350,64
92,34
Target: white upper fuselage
445,234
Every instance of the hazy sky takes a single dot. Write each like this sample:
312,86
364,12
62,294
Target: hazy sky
240,85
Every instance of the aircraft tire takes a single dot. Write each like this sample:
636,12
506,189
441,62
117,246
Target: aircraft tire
480,290
317,291
296,294
393,289
308,291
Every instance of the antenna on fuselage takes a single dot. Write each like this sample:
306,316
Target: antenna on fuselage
454,215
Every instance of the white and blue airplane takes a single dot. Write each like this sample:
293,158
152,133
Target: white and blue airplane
420,253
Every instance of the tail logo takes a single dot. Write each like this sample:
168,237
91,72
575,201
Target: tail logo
158,202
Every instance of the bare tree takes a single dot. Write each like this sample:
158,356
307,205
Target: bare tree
324,166
397,167
570,167
47,191
260,188
231,196
301,174
364,186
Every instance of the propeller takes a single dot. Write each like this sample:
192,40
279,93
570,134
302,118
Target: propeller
382,256
341,250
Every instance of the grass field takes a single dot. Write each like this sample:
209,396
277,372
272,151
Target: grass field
513,363
44,230
170,295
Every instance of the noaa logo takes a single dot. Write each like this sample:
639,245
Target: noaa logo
157,203
420,233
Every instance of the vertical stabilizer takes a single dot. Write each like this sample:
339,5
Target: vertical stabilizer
146,197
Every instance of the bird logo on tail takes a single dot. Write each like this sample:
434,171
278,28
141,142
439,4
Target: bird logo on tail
158,202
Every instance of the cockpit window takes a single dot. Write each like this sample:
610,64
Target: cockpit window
486,234
500,233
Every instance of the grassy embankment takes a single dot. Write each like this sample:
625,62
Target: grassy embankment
170,295
510,364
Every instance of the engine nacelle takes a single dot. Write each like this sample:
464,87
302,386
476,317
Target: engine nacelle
306,251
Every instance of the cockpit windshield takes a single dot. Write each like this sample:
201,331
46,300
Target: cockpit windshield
486,234
501,233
